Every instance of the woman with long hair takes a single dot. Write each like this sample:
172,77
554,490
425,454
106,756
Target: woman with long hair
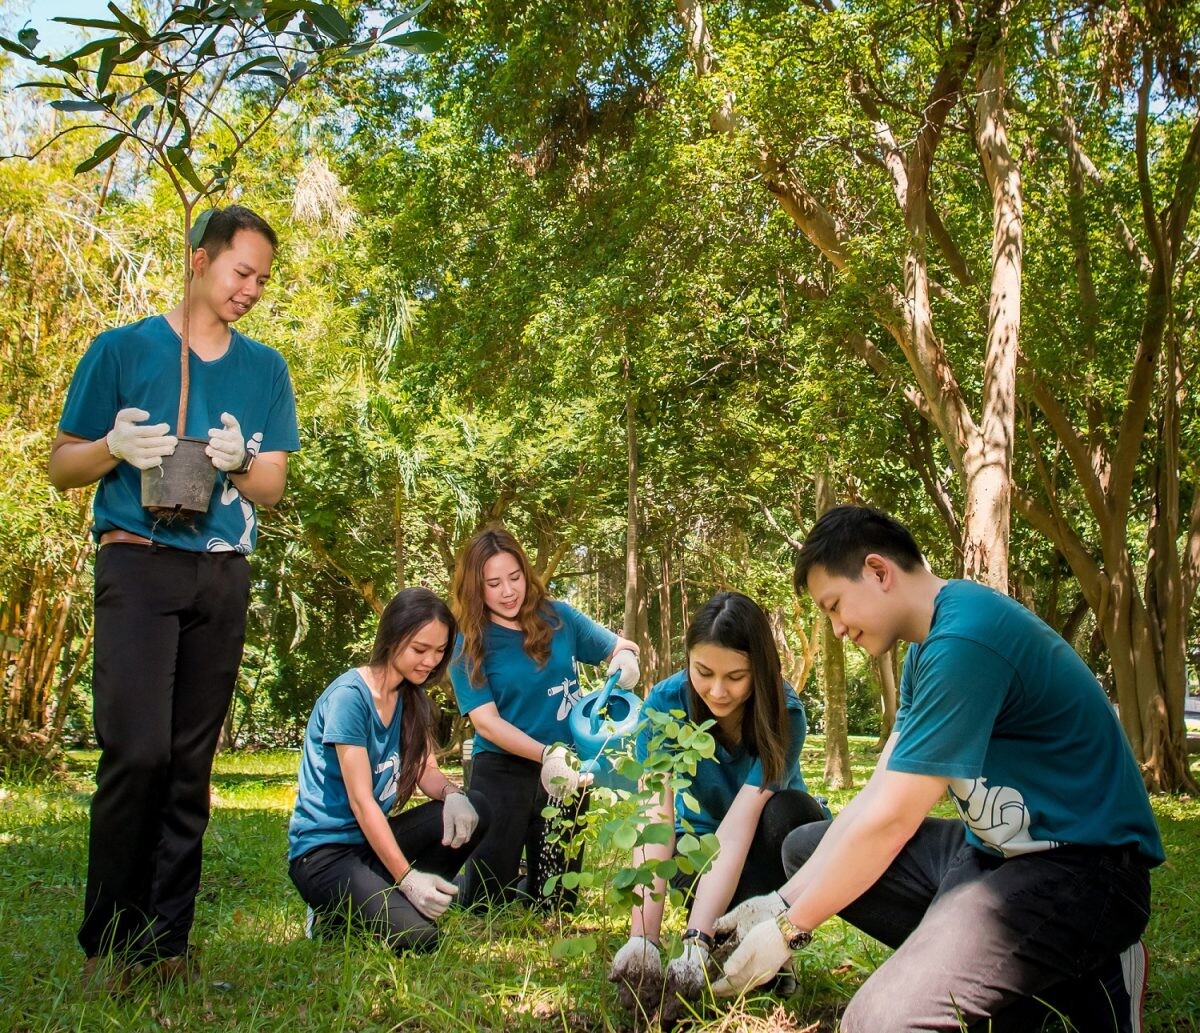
750,793
514,675
367,747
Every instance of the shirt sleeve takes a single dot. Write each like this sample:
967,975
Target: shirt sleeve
281,433
955,691
93,398
468,696
346,718
798,723
659,701
593,642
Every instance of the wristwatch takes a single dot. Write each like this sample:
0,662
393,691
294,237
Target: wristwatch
793,935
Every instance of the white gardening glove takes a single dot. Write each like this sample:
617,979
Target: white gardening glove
762,952
429,894
735,924
687,975
226,444
459,819
625,661
560,773
142,447
637,970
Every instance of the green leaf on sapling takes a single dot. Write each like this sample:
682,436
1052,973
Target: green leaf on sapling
402,18
102,153
76,105
419,41
181,161
97,44
330,22
196,233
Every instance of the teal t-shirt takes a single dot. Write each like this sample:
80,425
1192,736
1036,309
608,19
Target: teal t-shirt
718,781
1002,707
535,699
137,366
344,713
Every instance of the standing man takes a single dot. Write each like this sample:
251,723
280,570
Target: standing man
171,598
1041,891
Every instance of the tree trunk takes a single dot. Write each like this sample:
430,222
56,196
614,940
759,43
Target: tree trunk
988,460
838,772
635,626
665,633
889,695
399,540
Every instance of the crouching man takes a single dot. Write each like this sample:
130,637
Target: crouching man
1038,896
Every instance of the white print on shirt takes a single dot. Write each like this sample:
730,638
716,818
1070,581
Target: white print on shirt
392,785
997,815
569,696
229,495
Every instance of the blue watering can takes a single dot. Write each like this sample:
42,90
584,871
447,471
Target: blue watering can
602,723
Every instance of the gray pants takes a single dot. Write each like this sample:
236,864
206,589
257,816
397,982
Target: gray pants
986,943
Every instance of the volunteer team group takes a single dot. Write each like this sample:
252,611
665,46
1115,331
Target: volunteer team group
1033,900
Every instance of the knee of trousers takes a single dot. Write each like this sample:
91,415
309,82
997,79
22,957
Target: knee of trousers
786,810
800,845
421,939
137,759
483,809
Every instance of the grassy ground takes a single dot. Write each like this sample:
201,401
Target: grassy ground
505,972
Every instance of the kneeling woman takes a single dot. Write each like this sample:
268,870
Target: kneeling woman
367,747
514,673
751,793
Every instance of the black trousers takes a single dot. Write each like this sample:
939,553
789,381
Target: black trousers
348,881
169,632
763,870
512,786
985,943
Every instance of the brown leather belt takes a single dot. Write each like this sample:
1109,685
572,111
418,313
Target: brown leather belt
117,536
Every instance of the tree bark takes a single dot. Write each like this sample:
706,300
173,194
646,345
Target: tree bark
988,461
838,772
635,623
889,695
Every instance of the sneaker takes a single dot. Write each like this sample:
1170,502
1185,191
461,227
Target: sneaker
1135,961
1122,994
310,921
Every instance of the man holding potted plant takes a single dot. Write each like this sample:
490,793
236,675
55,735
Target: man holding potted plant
171,595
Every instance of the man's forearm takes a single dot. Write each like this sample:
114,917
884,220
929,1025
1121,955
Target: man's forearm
77,462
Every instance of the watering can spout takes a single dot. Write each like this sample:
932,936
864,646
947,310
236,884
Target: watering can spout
602,701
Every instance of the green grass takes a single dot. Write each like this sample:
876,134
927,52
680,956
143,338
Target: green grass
493,973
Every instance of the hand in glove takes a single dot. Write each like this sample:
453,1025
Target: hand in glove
560,773
735,924
638,972
625,661
226,444
687,976
762,952
459,819
142,447
429,894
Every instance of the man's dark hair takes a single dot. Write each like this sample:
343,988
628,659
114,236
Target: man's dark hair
225,222
843,538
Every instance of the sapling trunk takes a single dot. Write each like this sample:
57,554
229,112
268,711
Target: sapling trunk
184,379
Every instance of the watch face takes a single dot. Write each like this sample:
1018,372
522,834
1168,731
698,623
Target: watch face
793,936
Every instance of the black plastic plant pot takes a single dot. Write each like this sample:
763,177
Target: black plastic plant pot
184,482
